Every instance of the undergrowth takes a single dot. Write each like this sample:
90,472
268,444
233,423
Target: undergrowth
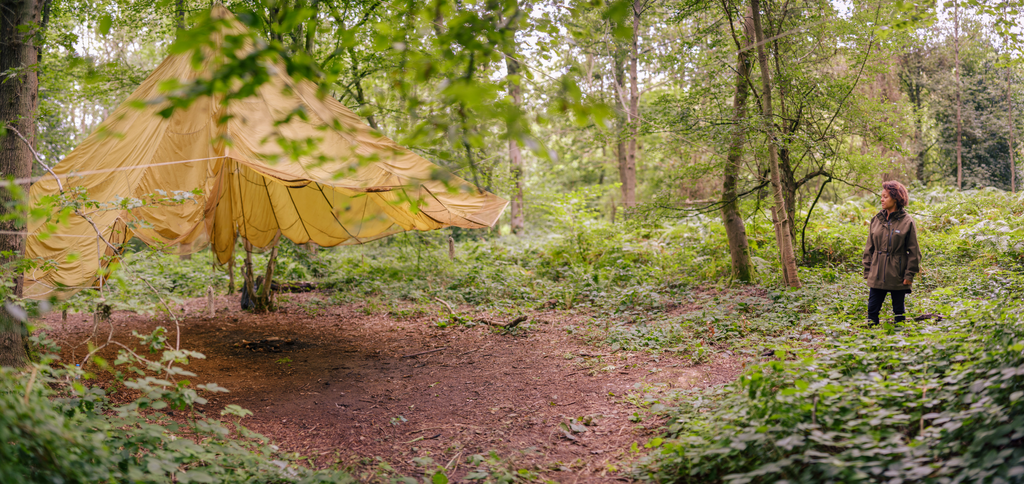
932,401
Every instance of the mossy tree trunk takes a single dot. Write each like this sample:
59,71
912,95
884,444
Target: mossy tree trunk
21,26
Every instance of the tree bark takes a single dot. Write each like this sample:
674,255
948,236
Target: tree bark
515,156
1013,127
787,176
629,170
627,173
311,27
1013,142
918,131
231,275
265,297
959,121
735,230
18,103
779,213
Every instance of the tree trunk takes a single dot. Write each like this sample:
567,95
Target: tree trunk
179,18
788,178
735,230
311,27
231,275
248,281
779,213
515,157
627,173
18,103
629,170
265,297
915,98
257,294
959,121
1013,128
1013,150
179,14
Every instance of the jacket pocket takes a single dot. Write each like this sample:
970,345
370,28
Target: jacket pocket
892,267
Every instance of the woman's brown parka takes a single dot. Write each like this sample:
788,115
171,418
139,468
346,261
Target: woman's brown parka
891,254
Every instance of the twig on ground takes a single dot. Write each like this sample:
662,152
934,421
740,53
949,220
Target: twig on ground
446,305
425,352
468,352
424,430
454,460
506,326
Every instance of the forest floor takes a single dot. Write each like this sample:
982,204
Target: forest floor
353,386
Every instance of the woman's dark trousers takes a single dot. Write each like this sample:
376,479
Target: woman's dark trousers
877,297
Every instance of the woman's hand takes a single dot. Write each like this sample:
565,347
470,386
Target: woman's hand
907,282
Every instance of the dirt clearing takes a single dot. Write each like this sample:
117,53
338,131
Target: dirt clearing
346,385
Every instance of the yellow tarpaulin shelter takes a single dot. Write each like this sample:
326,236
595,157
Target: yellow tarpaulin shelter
355,185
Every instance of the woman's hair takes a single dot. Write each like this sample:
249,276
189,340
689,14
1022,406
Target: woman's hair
897,192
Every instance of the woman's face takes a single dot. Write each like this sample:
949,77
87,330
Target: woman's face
887,202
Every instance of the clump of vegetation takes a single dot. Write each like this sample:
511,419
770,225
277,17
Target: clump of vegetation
927,404
58,428
932,401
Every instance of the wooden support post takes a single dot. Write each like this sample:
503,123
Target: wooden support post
210,308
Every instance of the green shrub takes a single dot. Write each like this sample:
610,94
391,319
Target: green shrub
56,429
937,403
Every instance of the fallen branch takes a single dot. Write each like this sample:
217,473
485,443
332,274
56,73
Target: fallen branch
446,305
424,430
417,439
425,352
506,326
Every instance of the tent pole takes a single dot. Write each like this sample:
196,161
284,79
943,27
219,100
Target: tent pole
231,275
247,273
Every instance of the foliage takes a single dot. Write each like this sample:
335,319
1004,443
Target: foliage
933,403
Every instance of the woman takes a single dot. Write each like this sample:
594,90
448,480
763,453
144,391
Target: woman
891,256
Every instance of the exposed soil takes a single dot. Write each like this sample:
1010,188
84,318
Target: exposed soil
344,385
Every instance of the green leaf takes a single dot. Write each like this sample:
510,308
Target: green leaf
105,22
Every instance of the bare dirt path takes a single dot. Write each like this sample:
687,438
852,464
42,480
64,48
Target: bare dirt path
344,389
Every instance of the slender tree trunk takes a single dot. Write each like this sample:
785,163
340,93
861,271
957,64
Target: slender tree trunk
515,157
1013,147
788,178
360,94
779,213
311,27
918,131
1012,125
627,173
959,121
231,275
735,230
787,174
179,20
18,103
179,14
634,107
